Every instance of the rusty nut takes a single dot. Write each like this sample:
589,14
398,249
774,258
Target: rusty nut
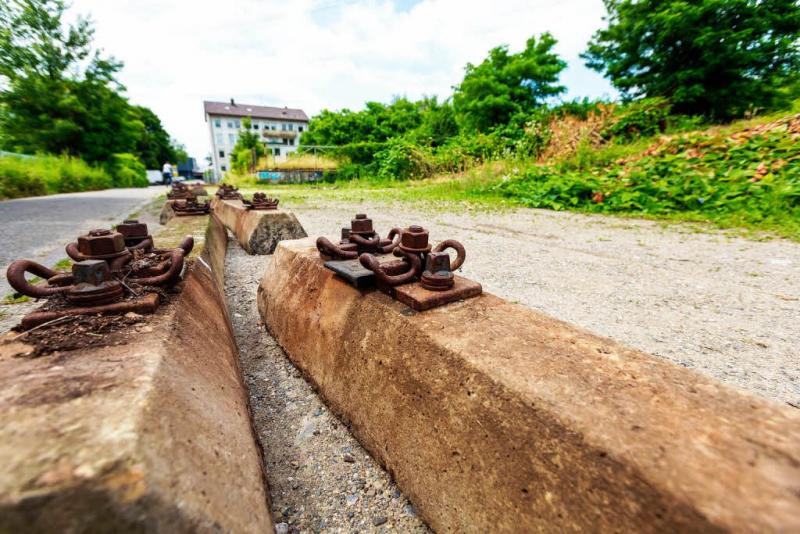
132,229
101,243
414,239
361,225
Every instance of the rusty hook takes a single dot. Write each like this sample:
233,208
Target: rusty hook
330,250
16,278
367,243
392,240
385,273
461,253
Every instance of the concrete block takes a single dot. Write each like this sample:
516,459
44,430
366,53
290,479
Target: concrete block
152,435
258,231
493,417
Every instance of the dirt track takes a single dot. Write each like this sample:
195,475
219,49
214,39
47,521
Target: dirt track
725,306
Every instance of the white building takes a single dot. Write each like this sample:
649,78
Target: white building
279,128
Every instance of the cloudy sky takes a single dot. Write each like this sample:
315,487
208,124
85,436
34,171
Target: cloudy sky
315,54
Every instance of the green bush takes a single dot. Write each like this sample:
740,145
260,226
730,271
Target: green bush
42,175
642,118
361,153
127,171
403,160
737,180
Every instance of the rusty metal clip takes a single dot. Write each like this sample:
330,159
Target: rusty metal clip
190,206
358,239
228,192
415,250
261,202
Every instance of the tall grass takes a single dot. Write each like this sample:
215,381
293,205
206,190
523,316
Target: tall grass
298,162
46,175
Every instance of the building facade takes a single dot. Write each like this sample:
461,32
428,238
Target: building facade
280,129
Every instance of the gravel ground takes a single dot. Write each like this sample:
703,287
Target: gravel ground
320,478
725,306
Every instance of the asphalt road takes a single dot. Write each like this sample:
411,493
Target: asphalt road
38,228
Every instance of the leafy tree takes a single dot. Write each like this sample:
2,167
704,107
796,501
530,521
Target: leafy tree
438,122
506,84
248,148
154,146
179,149
376,123
60,95
709,57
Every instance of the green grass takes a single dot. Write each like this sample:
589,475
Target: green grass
45,175
711,178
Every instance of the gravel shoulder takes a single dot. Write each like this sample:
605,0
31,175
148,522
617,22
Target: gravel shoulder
320,478
725,306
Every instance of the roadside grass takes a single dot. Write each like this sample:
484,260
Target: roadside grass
743,177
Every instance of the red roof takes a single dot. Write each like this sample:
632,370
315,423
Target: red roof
255,112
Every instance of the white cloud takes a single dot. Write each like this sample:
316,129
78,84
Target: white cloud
316,54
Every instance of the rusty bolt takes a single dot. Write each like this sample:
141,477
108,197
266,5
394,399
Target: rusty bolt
414,239
92,272
101,242
132,229
437,275
361,225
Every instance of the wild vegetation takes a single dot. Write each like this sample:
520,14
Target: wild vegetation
681,68
61,96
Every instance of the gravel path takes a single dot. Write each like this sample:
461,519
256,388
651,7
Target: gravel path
725,306
38,228
320,478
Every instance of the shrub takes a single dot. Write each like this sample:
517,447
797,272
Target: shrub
402,160
641,118
127,171
42,175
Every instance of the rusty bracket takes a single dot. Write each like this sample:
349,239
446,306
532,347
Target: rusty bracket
416,274
228,192
261,202
359,238
189,207
180,190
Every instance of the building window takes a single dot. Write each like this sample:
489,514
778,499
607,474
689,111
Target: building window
223,168
255,126
238,124
219,138
291,141
232,139
222,153
291,127
230,124
299,128
277,151
217,123
283,126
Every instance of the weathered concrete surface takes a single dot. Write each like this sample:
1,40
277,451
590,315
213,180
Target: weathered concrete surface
258,231
153,435
496,418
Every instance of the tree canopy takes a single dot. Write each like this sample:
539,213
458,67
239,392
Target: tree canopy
506,84
61,95
708,57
